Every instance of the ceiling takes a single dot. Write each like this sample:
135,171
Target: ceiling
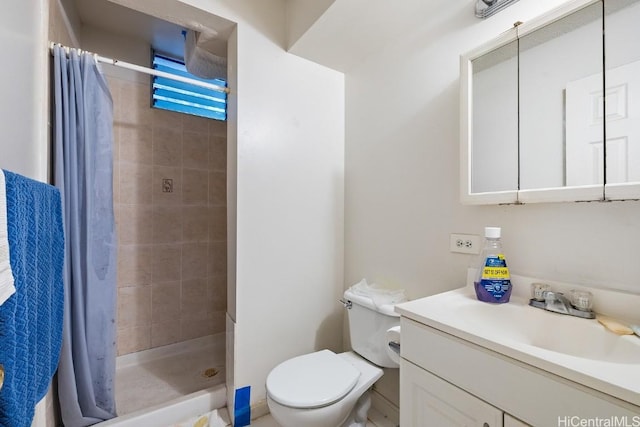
341,34
350,30
162,35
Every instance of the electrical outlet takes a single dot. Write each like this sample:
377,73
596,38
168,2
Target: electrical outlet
465,243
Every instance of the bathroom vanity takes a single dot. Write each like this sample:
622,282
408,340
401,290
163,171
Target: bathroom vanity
465,362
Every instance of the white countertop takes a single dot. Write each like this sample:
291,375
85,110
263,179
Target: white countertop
516,330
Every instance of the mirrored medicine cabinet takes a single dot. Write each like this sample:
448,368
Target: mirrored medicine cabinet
550,110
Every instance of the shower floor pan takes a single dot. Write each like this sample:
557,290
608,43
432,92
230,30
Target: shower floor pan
149,380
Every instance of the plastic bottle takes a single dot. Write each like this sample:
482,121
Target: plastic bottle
493,281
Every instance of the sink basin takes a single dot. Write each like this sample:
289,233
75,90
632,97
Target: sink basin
581,350
582,338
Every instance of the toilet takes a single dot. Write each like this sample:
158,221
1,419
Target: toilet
325,389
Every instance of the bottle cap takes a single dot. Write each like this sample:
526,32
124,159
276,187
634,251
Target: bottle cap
492,232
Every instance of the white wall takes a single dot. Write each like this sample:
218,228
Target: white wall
290,148
290,159
23,109
23,84
402,176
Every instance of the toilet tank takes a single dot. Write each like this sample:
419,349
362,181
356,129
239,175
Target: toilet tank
368,325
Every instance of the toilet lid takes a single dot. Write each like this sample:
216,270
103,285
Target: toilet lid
312,380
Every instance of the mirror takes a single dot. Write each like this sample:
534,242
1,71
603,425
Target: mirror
535,115
622,91
560,67
495,120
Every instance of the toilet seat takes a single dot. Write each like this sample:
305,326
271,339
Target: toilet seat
312,380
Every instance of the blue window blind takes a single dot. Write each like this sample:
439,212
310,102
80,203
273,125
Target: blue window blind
184,97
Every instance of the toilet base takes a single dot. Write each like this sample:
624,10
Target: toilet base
358,416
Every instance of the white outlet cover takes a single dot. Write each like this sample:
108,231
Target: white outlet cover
464,243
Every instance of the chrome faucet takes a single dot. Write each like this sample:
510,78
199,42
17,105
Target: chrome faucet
558,303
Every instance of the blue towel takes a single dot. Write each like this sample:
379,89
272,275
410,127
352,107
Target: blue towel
31,319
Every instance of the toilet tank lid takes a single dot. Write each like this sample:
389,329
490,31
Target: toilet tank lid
312,380
368,302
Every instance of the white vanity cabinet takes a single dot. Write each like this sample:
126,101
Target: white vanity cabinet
449,381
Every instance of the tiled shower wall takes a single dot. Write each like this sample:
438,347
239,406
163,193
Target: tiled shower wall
170,202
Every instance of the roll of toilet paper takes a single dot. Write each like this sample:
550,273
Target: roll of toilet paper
392,338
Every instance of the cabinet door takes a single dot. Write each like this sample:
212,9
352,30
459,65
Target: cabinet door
426,400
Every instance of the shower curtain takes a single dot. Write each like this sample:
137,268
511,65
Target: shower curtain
83,169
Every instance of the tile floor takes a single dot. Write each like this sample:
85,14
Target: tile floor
268,421
161,375
376,419
220,418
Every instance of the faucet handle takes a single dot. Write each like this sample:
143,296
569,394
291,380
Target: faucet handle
538,290
581,300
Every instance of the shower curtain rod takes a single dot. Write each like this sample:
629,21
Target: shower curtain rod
145,70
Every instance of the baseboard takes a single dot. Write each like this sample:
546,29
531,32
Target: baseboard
384,413
259,409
